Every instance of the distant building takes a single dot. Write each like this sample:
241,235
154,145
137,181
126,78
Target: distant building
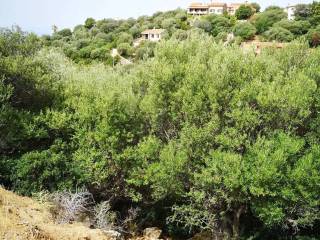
290,10
217,8
198,9
153,35
233,7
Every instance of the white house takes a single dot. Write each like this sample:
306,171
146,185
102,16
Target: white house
290,10
153,35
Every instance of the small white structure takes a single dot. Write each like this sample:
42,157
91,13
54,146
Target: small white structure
290,10
153,35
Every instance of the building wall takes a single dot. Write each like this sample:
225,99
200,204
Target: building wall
216,10
197,11
152,37
290,11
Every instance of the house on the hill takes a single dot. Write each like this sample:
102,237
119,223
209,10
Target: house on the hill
199,9
153,35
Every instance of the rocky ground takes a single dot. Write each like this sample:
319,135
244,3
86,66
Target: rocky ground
22,218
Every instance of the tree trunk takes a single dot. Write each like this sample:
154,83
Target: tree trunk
236,222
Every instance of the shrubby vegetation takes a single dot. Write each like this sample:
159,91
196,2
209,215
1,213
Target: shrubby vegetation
279,34
200,137
93,41
245,12
245,30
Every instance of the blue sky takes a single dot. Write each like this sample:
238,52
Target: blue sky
39,15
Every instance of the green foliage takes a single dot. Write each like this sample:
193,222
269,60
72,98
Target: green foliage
85,44
263,21
302,11
308,12
244,12
273,7
278,34
203,24
125,38
124,49
295,27
65,32
315,13
89,23
220,24
145,50
245,30
207,136
313,36
256,6
49,169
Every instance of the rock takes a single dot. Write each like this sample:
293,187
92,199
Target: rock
208,236
112,235
152,233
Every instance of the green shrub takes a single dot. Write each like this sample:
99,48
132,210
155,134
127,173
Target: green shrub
245,30
89,23
295,27
278,34
65,32
244,12
219,24
263,21
124,49
313,37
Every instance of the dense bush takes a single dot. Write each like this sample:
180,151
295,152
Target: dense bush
219,24
256,7
313,36
244,12
263,21
278,34
295,27
201,136
245,30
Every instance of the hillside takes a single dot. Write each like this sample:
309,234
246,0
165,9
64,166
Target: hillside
93,40
199,137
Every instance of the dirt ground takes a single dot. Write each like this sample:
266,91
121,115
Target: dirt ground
22,218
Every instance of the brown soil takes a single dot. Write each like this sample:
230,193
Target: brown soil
22,218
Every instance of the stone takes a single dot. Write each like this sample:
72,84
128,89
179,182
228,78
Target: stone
112,235
152,233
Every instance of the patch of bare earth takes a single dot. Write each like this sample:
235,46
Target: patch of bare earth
22,218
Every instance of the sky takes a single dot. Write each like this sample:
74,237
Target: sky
39,15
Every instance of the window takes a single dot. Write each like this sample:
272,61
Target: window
152,35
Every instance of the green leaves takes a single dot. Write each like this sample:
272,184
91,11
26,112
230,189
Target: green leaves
222,135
